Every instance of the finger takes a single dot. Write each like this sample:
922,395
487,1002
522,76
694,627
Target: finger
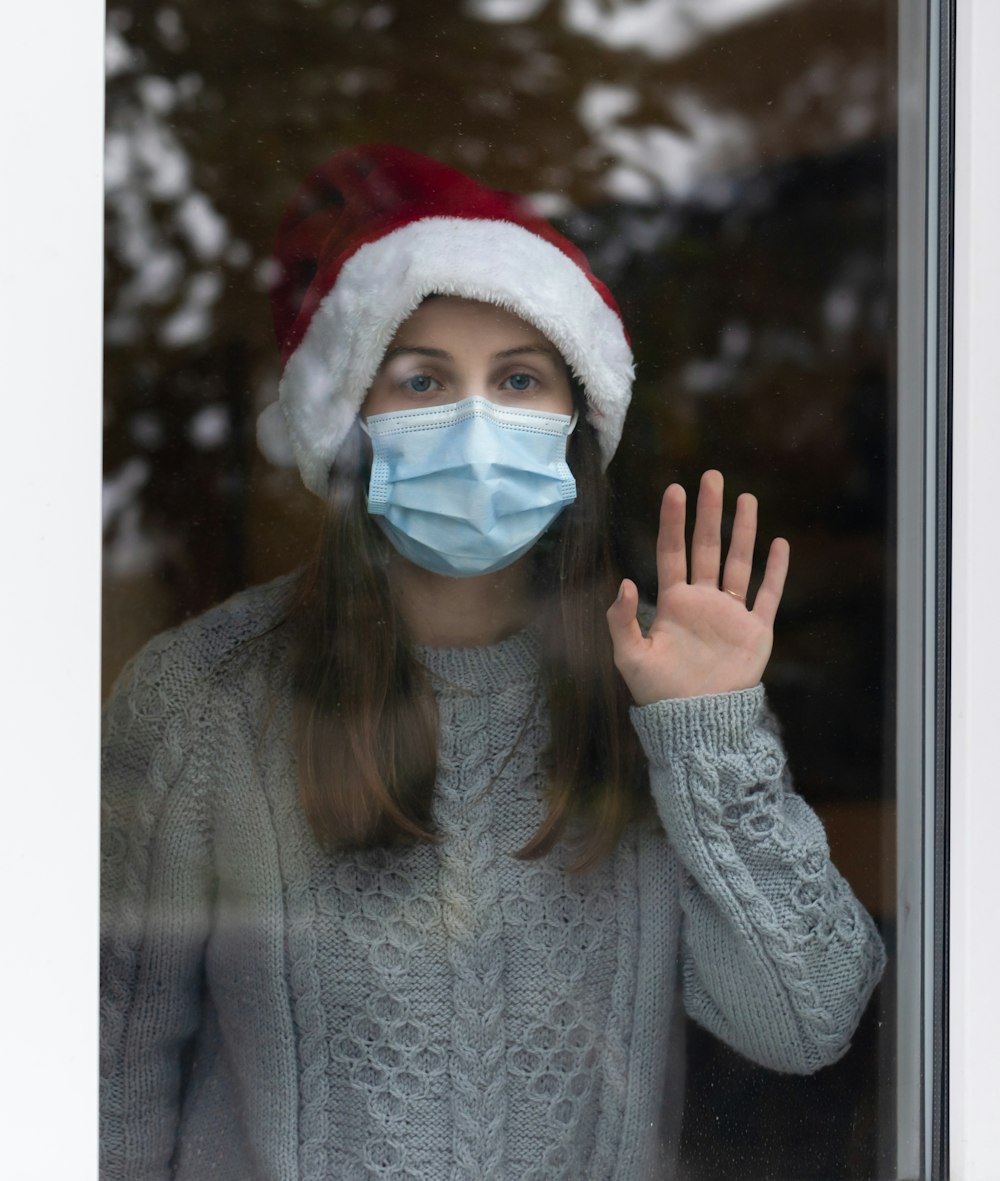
623,624
671,550
706,541
765,605
739,559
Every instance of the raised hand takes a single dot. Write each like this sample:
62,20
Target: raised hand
705,638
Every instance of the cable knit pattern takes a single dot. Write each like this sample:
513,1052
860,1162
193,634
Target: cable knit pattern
761,893
440,1012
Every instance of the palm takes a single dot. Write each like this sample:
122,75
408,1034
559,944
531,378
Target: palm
703,638
705,641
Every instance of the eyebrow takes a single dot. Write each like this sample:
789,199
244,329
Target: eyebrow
440,354
443,355
529,348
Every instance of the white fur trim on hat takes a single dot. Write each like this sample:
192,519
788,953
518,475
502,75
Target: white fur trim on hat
328,376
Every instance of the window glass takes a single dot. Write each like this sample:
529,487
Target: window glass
730,170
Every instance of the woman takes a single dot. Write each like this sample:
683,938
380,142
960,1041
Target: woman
412,858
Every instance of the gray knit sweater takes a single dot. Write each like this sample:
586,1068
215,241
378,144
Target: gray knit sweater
440,1012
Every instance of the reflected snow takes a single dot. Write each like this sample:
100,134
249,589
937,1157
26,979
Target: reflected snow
660,28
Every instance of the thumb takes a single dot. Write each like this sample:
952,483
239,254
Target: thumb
626,635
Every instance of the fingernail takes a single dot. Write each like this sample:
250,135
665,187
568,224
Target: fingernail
621,592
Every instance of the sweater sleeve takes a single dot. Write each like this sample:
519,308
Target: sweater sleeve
155,891
778,957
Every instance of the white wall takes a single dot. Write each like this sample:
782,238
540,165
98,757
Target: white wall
975,764
50,404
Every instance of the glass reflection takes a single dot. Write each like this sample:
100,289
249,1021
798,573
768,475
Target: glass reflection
728,167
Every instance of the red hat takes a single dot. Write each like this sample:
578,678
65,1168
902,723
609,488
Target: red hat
376,229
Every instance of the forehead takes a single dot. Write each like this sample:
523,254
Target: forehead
447,317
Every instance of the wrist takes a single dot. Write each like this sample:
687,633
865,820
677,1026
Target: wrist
715,723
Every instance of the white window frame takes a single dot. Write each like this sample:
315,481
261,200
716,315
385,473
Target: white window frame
974,942
52,89
51,99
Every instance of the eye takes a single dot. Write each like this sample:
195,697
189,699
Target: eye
521,382
420,383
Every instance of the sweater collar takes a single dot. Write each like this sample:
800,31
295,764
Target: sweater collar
490,669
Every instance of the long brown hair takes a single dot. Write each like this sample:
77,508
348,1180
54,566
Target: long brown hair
366,718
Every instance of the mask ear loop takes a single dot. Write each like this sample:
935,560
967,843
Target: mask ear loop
361,462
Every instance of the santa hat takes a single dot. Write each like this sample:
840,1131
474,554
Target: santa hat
376,229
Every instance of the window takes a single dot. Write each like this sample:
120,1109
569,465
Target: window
717,345
731,170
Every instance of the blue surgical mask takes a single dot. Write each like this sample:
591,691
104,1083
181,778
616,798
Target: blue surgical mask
469,487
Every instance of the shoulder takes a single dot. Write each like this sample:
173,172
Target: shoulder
178,666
